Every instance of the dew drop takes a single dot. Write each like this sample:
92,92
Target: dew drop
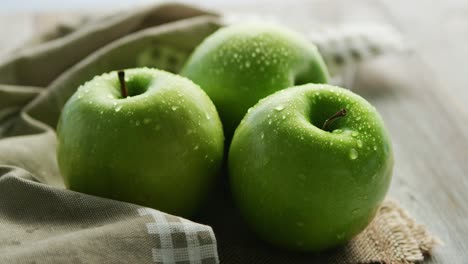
279,108
146,120
174,108
359,143
157,127
137,123
353,154
301,176
375,147
196,147
337,131
358,118
340,236
284,117
118,108
354,134
208,116
262,135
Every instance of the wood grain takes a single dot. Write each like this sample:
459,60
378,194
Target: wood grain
422,97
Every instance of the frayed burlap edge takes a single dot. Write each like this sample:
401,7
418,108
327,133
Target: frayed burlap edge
393,237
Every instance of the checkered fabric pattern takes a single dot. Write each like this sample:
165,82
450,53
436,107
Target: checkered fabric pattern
180,241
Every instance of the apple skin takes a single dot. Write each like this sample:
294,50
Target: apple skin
304,188
160,147
240,64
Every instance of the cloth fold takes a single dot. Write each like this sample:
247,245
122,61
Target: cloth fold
42,222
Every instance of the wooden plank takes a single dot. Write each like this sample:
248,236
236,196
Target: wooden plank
440,35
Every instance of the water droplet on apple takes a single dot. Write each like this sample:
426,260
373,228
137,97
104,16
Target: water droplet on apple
358,118
353,154
208,116
101,112
340,236
247,64
359,143
284,117
375,147
354,134
86,91
196,147
157,127
118,108
146,120
137,123
301,176
337,131
80,96
279,108
355,211
269,122
262,135
174,108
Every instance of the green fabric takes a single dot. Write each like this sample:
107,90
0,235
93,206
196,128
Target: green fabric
40,221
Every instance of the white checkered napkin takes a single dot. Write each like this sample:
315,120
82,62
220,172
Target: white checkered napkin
180,241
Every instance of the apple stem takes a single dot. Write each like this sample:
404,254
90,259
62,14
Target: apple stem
123,86
332,118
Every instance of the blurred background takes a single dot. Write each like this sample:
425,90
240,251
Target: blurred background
437,29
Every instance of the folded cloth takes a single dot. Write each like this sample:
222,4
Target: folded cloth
41,222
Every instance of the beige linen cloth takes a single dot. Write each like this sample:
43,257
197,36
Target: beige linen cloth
42,222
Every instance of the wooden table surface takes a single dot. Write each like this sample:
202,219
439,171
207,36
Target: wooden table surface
422,96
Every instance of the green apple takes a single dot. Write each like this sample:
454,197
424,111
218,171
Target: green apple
240,64
302,181
161,146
